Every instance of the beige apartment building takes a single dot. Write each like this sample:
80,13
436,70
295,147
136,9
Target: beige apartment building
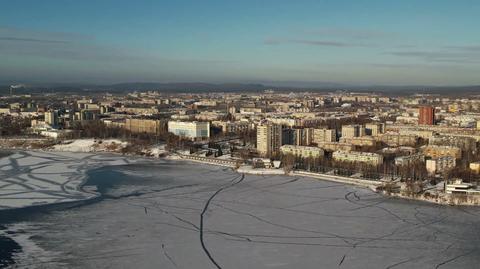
334,146
353,130
475,167
357,156
147,126
302,151
392,139
324,135
374,129
359,141
233,126
440,165
269,139
442,151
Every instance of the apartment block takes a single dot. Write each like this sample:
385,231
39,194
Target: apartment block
374,129
357,156
189,129
354,130
324,135
302,151
147,126
269,139
440,165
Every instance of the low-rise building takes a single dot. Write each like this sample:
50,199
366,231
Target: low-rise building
357,156
359,141
442,151
302,151
457,186
475,167
334,146
392,139
233,126
409,159
189,129
440,165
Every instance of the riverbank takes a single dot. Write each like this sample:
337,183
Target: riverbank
376,186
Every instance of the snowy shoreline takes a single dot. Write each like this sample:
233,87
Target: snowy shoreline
112,147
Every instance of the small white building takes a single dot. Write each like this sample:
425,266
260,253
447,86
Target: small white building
460,187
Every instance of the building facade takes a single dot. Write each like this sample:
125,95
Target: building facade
302,151
440,165
354,130
147,126
357,156
324,135
269,139
426,115
374,129
189,129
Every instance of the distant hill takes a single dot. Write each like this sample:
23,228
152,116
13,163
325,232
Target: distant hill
236,87
186,87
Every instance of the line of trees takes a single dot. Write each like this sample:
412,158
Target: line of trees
414,171
11,126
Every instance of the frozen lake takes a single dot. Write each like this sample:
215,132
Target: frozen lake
166,214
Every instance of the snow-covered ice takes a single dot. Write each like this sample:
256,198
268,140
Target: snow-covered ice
167,214
39,178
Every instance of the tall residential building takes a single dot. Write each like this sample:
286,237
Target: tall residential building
426,115
374,129
354,130
51,118
269,139
297,136
189,129
324,135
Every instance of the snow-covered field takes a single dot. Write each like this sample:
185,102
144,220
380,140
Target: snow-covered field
90,145
38,178
168,214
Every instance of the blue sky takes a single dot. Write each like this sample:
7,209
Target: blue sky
434,42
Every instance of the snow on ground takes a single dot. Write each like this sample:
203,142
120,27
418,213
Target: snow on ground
156,151
37,178
248,169
189,215
90,145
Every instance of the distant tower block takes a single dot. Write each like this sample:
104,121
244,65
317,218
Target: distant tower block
426,115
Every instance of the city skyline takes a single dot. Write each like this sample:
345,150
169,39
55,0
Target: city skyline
346,42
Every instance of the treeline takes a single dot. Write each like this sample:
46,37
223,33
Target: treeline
11,126
98,129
